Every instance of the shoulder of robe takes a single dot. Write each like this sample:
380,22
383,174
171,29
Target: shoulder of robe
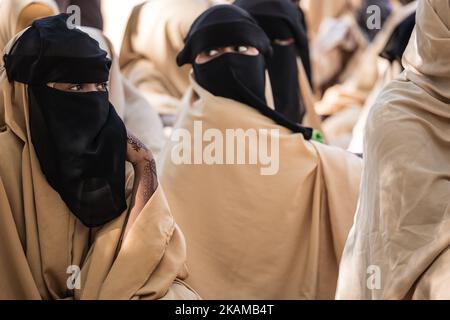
394,120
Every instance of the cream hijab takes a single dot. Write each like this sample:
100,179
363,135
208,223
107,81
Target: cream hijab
138,115
152,40
261,237
41,240
398,246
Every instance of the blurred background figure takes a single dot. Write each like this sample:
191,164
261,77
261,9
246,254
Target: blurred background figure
16,15
130,104
396,35
153,37
138,115
343,103
91,11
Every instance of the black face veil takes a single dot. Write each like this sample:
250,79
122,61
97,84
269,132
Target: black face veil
79,139
281,20
232,75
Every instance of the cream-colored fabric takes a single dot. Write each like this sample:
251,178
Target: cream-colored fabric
15,14
401,233
41,238
251,236
153,38
367,79
138,115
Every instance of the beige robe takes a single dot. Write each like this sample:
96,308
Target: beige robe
398,246
42,243
138,115
153,38
261,237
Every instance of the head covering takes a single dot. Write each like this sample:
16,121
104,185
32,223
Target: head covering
153,37
42,240
79,139
280,20
402,229
234,76
252,236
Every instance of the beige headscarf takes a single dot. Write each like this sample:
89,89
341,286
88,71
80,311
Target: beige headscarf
398,247
261,237
138,115
41,239
152,40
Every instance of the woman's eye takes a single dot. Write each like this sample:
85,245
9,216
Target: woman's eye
212,53
76,87
242,49
102,86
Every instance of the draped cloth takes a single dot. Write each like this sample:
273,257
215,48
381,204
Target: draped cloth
261,237
138,115
153,37
41,240
398,246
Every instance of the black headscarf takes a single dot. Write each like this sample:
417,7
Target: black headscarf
79,139
234,76
282,20
396,46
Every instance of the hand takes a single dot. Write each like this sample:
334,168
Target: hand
137,152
